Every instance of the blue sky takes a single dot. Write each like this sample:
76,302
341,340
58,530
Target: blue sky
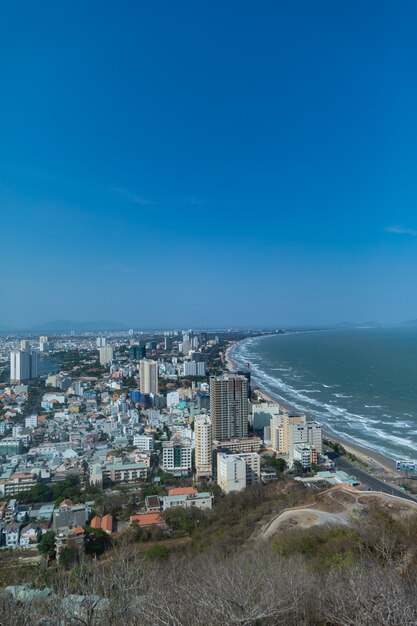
208,163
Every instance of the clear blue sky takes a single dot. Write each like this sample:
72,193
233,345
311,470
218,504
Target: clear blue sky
208,163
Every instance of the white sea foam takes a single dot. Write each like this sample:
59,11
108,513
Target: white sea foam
335,418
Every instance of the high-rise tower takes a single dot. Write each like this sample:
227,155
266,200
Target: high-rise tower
203,446
148,376
229,406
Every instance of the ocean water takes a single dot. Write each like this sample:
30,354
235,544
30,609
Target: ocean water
360,384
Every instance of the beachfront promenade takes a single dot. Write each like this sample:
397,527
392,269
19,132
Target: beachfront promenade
367,479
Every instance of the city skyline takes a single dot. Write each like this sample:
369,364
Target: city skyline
226,165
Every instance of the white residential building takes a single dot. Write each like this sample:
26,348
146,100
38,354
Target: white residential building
143,442
148,376
307,433
176,457
237,471
106,355
262,414
23,365
194,368
253,467
231,472
280,425
31,421
203,446
173,398
188,501
305,454
12,533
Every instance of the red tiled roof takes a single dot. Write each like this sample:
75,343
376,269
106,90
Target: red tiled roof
78,530
96,522
182,491
147,519
66,503
107,523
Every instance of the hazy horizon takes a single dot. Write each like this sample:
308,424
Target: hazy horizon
223,165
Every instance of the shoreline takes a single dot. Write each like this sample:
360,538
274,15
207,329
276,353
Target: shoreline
362,453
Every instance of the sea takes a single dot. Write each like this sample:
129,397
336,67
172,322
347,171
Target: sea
360,384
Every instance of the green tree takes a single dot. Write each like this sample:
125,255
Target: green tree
38,493
279,464
298,468
97,540
157,552
187,520
47,545
69,557
67,488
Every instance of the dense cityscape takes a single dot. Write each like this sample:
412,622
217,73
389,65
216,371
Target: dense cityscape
162,414
132,437
208,331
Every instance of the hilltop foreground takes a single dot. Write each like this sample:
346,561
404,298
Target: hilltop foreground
360,571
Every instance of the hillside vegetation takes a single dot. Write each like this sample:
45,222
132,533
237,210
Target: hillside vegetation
214,572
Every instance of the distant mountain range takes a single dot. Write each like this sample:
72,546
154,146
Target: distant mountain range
66,325
410,323
347,325
61,326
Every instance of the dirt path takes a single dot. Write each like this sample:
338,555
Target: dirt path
336,507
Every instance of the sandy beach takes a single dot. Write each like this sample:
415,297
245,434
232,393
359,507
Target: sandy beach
230,366
364,454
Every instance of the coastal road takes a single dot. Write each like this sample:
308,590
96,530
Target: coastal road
368,480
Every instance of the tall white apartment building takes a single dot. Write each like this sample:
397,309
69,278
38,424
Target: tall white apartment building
100,342
106,355
194,368
44,344
176,457
148,376
231,472
237,471
262,412
307,433
185,346
23,365
280,428
253,467
203,446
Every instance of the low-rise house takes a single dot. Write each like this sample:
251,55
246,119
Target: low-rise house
44,513
268,474
69,514
12,534
29,535
198,500
73,538
147,520
152,504
11,510
95,522
106,523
